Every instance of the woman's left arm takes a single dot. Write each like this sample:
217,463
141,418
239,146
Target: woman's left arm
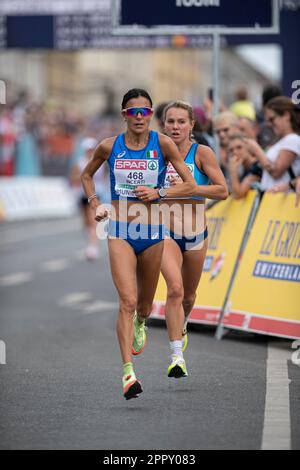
207,162
186,189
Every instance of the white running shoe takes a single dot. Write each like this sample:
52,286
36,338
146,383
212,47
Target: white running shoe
177,369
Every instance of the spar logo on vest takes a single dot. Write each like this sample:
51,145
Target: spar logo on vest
136,165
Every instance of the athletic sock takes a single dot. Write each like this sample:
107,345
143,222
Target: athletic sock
128,368
176,347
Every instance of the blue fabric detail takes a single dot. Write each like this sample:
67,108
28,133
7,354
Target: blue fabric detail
121,152
139,236
201,178
187,243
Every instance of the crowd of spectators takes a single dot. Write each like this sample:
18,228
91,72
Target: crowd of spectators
256,147
40,139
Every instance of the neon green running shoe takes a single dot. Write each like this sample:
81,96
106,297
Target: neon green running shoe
184,339
131,386
177,369
139,338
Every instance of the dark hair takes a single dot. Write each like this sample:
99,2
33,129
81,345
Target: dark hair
135,93
182,105
281,105
241,94
270,91
159,110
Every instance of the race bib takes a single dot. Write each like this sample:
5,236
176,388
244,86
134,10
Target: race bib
132,173
172,173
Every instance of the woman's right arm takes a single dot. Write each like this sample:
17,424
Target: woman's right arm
101,154
279,166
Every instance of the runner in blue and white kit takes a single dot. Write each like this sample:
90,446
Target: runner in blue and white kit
137,160
185,248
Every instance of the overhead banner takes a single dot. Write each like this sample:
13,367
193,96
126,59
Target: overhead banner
195,16
227,222
73,25
266,293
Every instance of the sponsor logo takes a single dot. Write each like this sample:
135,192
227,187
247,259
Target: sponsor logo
208,263
197,3
131,165
217,266
155,236
277,271
122,154
296,94
152,166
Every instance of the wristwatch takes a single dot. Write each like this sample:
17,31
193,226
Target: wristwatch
162,192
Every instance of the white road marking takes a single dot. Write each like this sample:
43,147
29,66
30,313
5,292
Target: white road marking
15,279
277,422
55,265
75,299
100,306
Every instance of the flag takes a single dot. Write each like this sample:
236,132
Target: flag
152,154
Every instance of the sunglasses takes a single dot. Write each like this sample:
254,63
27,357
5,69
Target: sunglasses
133,112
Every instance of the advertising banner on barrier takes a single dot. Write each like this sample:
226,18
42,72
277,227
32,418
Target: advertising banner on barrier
35,197
266,292
227,222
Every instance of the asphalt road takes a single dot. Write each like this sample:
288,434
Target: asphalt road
61,384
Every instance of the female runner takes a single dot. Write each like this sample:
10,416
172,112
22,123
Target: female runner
137,160
185,248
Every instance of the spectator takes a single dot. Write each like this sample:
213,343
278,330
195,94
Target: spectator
224,123
270,91
8,140
281,163
242,107
240,156
208,105
42,138
248,128
28,157
88,146
266,136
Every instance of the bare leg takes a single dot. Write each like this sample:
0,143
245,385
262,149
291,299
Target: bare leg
171,270
123,263
192,267
148,270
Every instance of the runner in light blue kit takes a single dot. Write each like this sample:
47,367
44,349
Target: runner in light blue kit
186,244
137,160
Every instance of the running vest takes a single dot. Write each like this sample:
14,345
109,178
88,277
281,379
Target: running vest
131,168
200,178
